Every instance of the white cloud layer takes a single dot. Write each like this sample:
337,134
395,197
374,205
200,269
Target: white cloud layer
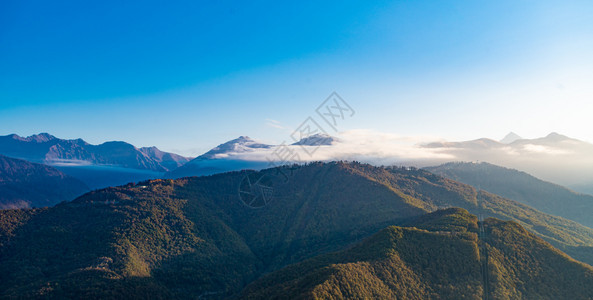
561,160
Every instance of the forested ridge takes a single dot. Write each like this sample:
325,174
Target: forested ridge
197,236
439,258
522,187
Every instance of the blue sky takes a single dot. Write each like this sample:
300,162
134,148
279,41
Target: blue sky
185,76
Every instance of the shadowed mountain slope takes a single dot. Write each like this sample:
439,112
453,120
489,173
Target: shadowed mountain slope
522,187
47,149
441,257
25,184
211,236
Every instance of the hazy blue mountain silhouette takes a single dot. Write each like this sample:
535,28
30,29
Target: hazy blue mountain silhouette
45,148
27,184
108,164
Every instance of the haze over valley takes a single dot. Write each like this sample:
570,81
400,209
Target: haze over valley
296,150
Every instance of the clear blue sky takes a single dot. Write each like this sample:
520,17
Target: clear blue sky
185,76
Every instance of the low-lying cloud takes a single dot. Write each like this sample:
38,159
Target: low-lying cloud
558,159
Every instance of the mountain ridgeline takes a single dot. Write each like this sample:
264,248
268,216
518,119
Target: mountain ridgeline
438,256
522,187
98,166
46,148
555,157
211,237
26,184
219,159
227,156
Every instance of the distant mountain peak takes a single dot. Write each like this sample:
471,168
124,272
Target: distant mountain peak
244,140
240,144
320,139
48,149
44,136
241,140
118,143
555,135
152,148
38,138
511,137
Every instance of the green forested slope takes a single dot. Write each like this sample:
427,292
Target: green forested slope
522,187
571,237
441,258
196,237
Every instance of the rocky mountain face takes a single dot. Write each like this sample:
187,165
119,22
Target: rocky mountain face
168,160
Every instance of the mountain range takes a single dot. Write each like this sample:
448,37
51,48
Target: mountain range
522,187
245,153
47,149
222,159
116,163
218,236
555,157
26,184
98,166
